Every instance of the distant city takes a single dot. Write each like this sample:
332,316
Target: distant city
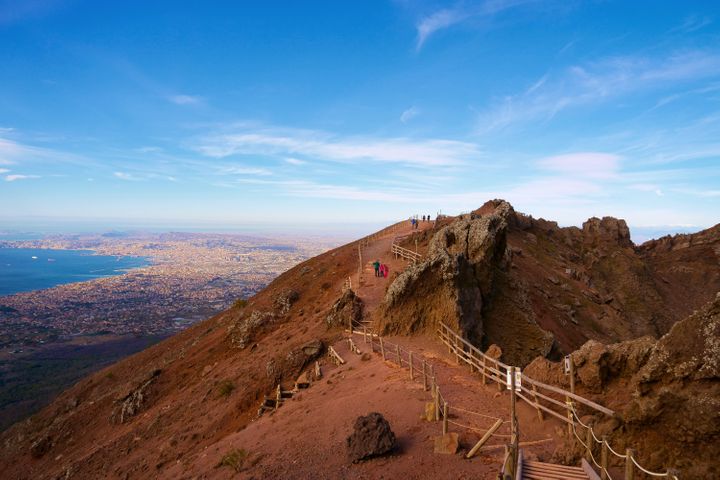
192,276
51,337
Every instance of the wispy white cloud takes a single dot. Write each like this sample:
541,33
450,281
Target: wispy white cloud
3,170
286,142
692,23
294,161
15,177
182,99
437,21
597,82
126,176
447,17
234,170
583,164
409,114
647,187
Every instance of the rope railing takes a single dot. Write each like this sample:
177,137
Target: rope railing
423,371
477,360
603,466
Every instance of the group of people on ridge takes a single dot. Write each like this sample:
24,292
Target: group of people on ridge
414,222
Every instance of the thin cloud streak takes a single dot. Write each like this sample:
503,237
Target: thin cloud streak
335,148
448,17
597,82
15,177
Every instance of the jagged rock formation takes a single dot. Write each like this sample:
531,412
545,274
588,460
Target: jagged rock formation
534,288
460,282
666,391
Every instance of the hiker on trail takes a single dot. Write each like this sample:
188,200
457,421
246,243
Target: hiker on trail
376,266
423,218
386,270
381,271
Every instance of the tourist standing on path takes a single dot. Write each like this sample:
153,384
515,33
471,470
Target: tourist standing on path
376,266
386,270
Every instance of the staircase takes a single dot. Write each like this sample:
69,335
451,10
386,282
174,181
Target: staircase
550,471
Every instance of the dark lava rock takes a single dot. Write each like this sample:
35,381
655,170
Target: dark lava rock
371,436
40,446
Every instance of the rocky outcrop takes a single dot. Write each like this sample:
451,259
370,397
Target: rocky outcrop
465,282
347,310
666,392
607,230
284,300
371,436
242,332
135,400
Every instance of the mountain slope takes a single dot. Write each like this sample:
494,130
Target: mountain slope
495,275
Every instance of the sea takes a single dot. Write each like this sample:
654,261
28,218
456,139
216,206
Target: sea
27,269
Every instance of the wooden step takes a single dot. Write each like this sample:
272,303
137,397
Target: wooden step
550,471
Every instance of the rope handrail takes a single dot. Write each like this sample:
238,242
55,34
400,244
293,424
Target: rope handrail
450,338
589,451
667,474
476,413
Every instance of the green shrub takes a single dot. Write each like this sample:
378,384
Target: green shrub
234,459
240,303
225,388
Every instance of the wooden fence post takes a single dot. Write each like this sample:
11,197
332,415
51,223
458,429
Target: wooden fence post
457,351
571,420
588,444
500,381
364,333
410,360
537,404
278,395
572,375
445,418
484,378
629,467
382,348
397,350
604,459
437,403
424,376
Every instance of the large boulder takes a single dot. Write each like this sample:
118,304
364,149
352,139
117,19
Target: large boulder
371,437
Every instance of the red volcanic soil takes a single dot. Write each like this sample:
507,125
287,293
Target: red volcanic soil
305,437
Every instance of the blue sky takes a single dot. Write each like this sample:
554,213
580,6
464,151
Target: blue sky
224,114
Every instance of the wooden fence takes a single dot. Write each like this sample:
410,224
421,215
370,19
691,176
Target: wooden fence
405,253
422,371
546,399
